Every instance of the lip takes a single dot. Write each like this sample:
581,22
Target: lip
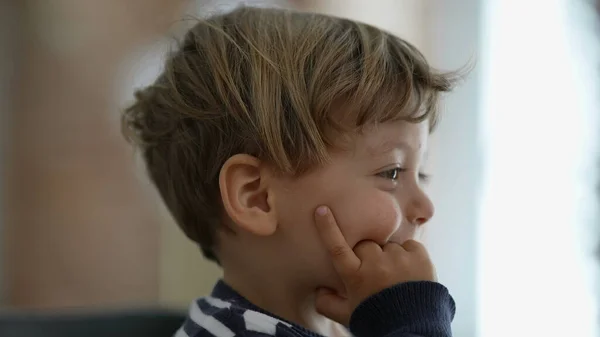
399,242
412,234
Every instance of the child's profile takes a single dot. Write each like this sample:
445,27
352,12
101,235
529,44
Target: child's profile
290,147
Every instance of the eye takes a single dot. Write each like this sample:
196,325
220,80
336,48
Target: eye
424,178
391,174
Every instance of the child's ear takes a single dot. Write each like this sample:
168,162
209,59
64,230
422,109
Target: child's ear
243,182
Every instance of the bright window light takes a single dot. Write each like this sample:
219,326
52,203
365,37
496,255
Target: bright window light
532,268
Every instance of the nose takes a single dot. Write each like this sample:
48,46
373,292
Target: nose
419,208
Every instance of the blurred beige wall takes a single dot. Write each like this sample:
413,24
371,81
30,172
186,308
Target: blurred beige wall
78,228
401,17
8,22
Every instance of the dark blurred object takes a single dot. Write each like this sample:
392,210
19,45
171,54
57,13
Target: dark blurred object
142,323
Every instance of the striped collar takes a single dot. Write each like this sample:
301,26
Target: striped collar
224,292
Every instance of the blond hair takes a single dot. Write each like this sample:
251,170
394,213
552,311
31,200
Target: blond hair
267,82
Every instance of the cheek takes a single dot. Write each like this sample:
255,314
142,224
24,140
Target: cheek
375,216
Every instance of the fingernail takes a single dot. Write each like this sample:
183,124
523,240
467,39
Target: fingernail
322,210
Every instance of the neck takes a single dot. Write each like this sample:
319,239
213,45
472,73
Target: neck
284,297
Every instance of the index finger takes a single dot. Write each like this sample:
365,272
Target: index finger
345,261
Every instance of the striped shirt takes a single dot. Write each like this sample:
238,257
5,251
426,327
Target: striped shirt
414,309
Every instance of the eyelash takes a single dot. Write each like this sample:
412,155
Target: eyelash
424,178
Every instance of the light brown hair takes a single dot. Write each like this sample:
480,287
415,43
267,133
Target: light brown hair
265,82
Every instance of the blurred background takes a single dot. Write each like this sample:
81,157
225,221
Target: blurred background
514,160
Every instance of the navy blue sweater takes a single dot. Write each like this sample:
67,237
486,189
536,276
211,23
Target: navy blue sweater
414,309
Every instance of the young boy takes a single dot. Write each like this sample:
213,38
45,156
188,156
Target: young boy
265,125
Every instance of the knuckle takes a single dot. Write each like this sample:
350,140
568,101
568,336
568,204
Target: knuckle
392,247
338,251
413,245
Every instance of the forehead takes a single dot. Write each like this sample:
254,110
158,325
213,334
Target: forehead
384,137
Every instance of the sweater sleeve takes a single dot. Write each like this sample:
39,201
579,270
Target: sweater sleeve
412,309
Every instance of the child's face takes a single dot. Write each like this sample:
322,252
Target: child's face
374,191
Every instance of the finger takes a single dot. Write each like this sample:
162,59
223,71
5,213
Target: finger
413,246
344,259
366,249
394,248
333,306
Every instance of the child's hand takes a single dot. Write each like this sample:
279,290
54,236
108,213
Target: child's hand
368,269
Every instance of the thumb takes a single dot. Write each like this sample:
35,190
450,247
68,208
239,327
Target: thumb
333,306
